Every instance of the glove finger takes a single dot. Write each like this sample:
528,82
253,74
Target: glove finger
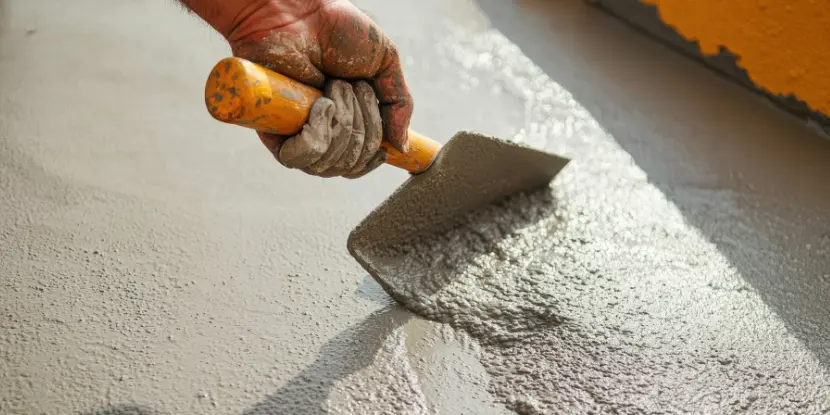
354,149
272,142
309,146
326,174
378,159
372,123
341,127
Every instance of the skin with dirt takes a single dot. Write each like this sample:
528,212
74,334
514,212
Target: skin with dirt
311,42
348,45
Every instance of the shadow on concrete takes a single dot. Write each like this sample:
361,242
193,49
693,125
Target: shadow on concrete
350,351
124,410
356,348
646,18
751,178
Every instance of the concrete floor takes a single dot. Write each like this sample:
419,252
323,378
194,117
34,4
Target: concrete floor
156,261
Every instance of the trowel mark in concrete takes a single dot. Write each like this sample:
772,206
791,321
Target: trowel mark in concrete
458,277
595,295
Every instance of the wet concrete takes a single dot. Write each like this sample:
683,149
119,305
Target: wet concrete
470,172
154,261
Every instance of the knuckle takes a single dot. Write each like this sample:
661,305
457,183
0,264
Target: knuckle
301,151
338,83
322,103
363,87
320,110
340,86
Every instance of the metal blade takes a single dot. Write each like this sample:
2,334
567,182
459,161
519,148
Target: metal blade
471,173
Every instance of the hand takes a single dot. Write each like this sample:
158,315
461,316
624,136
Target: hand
316,42
342,135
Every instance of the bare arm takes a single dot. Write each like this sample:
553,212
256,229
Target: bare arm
238,19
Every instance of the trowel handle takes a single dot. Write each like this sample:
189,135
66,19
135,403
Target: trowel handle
243,93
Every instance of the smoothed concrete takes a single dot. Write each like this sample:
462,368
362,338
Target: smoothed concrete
155,261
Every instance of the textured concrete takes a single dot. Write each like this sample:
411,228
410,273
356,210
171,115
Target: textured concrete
155,261
470,172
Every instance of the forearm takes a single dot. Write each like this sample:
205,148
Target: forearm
241,19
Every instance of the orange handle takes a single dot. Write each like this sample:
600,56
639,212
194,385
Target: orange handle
243,93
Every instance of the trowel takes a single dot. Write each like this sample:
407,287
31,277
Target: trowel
469,172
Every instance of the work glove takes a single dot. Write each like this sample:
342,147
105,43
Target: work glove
342,135
323,44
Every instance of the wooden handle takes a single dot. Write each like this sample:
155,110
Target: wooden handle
243,93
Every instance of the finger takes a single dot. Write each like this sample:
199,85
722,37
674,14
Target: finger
285,53
341,127
372,123
378,159
396,103
312,143
354,149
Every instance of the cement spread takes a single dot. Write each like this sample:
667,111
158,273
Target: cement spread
594,295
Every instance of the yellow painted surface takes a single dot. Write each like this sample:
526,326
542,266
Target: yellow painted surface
784,45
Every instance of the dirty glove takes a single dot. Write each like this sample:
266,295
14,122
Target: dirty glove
314,42
342,136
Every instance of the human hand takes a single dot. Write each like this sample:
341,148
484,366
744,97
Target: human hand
317,42
342,136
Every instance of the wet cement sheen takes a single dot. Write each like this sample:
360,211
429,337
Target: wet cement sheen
595,294
565,311
472,170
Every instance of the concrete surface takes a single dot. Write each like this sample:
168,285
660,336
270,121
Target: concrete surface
154,261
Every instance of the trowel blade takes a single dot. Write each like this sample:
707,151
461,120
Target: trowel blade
472,171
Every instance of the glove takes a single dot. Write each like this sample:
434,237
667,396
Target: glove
316,42
342,136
